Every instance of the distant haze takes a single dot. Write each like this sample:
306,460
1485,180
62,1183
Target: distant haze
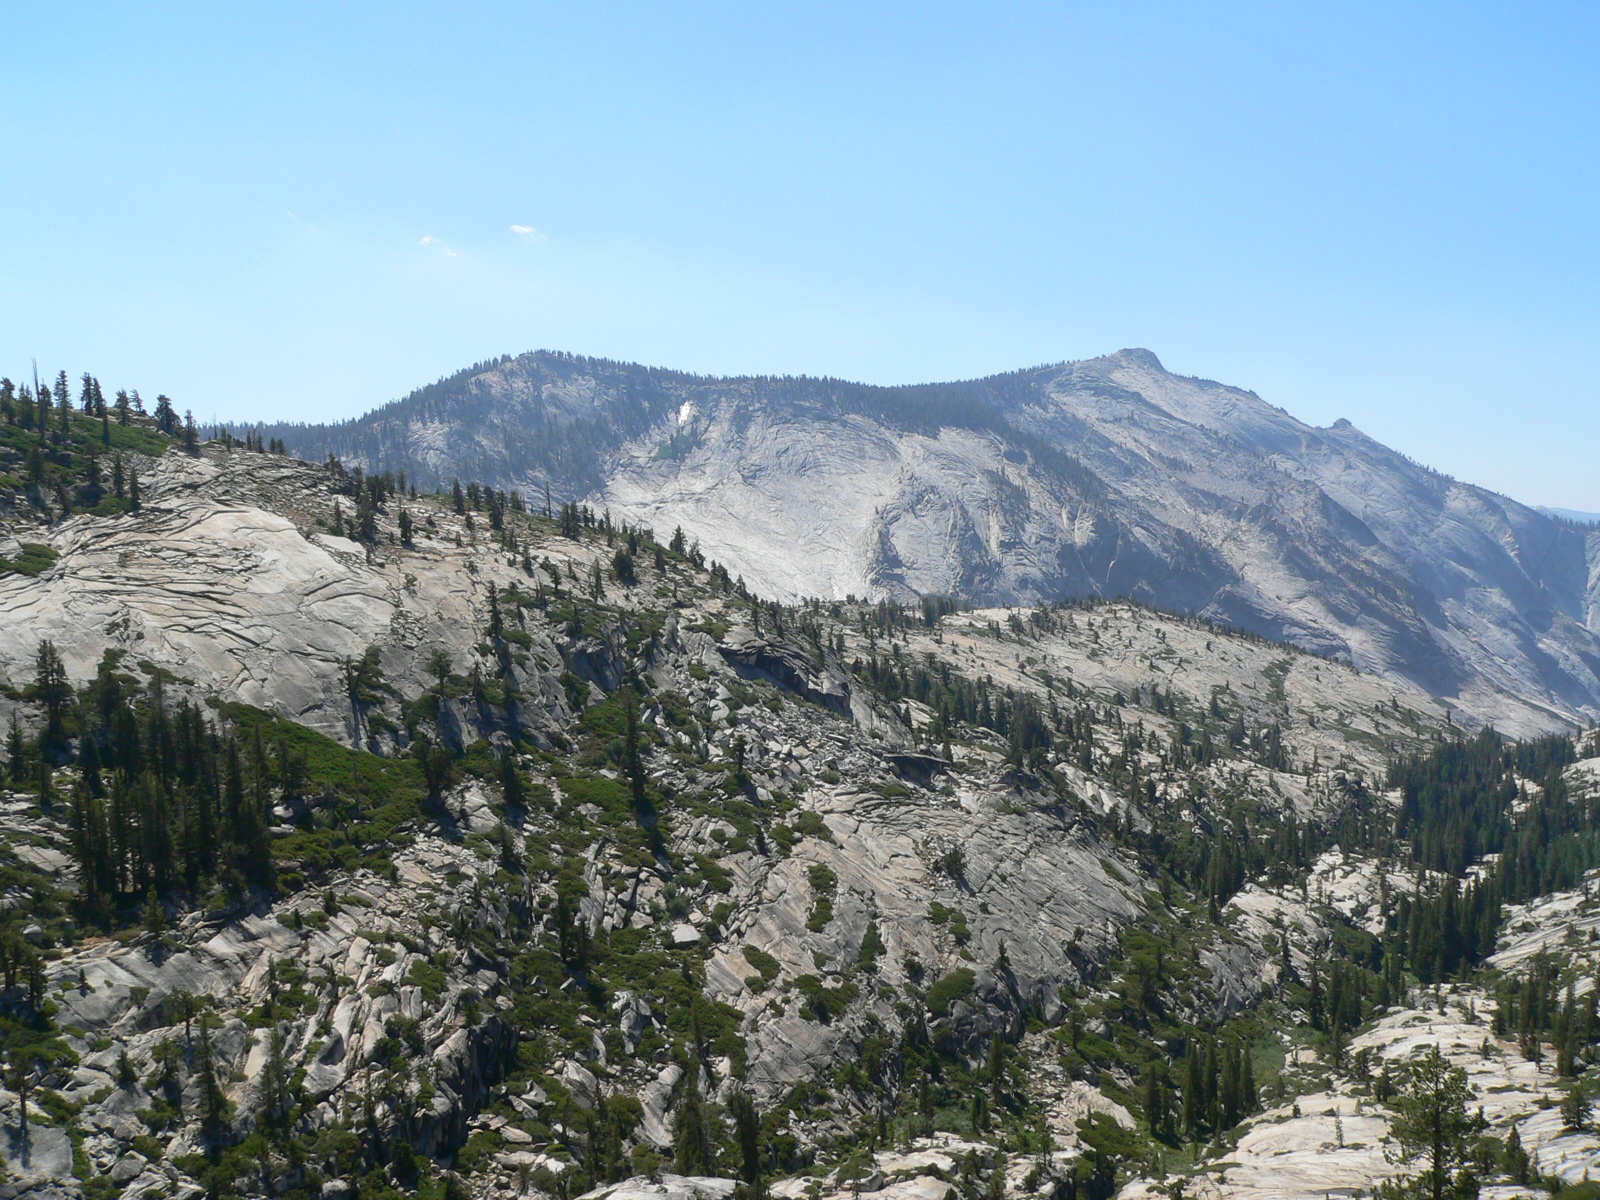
1583,518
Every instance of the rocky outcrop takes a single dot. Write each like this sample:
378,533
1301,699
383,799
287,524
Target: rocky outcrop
230,581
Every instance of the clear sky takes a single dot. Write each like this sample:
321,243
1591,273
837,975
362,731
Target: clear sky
1386,212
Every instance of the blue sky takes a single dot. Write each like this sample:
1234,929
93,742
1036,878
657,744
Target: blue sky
1383,212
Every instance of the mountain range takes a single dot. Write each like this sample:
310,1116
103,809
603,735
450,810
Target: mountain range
1108,477
361,842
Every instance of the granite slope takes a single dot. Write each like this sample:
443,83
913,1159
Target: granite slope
1108,477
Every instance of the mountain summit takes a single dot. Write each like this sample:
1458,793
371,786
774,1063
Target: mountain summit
1111,476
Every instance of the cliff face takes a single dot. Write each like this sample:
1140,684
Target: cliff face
1108,477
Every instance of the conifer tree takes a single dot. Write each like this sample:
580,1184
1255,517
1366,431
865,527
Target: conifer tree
275,1076
366,521
19,1078
54,692
16,751
512,788
691,1134
1193,1095
166,416
214,1106
747,1133
622,567
1432,1122
497,628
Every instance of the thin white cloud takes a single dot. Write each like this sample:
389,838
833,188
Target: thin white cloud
429,240
529,232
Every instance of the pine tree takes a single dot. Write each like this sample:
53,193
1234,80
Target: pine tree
1575,1108
747,1133
54,691
275,1076
63,393
155,919
512,788
497,627
1154,1108
1518,1164
644,810
214,1106
1432,1122
166,416
16,752
366,521
19,1078
691,1136
1193,1095
622,567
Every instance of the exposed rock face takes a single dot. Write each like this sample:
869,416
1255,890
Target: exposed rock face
123,1006
225,581
1109,477
829,863
670,1187
1038,892
654,849
1334,1139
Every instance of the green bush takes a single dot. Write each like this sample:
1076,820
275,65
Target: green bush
955,986
763,962
35,559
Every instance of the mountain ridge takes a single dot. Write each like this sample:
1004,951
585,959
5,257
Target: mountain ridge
1106,476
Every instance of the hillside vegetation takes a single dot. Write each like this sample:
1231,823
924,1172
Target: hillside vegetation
363,839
